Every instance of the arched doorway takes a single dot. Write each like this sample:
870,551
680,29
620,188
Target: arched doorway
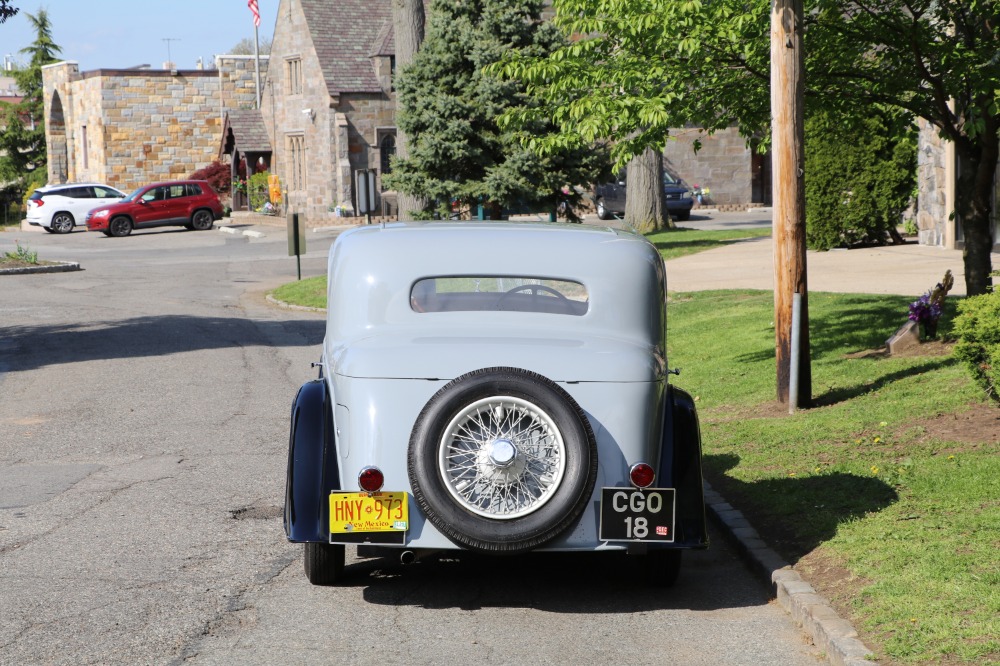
58,150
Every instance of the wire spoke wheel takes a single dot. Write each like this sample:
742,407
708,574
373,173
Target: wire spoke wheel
502,457
502,460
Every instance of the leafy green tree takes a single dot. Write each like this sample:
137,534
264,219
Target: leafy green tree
860,175
641,67
7,10
448,108
22,137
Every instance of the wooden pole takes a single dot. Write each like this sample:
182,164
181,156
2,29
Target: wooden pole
787,65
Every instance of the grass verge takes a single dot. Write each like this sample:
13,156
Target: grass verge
310,293
682,241
865,482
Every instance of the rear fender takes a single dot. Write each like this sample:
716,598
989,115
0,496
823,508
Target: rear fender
312,464
680,468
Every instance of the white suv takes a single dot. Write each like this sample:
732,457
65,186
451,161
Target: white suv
59,208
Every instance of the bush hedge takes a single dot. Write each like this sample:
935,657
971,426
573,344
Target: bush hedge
217,174
860,176
978,330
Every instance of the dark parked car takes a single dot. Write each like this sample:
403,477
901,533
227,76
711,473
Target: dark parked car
610,197
192,204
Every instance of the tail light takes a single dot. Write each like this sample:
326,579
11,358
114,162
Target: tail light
371,479
641,475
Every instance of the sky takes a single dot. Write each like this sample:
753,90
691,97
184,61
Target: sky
118,34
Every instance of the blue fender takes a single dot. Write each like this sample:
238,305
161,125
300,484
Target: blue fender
680,468
312,465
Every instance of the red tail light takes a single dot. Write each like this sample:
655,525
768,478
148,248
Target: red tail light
371,479
641,475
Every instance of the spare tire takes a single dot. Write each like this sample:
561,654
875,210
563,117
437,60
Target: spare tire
502,460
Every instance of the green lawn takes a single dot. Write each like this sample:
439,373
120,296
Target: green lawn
858,481
310,292
682,241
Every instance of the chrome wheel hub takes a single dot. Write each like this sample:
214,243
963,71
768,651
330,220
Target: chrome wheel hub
502,457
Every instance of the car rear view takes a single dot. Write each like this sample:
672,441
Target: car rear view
499,388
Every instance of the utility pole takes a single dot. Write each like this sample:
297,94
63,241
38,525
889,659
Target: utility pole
791,301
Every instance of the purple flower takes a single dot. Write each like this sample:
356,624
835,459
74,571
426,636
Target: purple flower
924,311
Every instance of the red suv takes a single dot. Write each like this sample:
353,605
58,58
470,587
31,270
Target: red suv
192,204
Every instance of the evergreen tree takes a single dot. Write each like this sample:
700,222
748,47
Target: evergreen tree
22,126
448,107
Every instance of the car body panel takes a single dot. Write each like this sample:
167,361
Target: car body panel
678,196
77,199
383,361
160,204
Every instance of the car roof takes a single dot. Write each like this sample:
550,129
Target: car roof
46,188
176,182
373,268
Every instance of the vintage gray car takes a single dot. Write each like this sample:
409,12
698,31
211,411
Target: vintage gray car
495,387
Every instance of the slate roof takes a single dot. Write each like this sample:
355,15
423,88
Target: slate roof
385,41
344,34
249,131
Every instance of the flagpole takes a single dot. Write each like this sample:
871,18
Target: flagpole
256,59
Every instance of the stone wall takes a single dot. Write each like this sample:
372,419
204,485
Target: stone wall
933,207
127,128
723,164
286,118
339,132
238,81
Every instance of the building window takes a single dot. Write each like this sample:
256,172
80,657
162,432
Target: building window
296,144
386,149
86,147
293,69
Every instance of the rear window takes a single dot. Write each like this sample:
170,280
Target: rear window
36,196
493,293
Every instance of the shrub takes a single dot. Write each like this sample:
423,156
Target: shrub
978,330
859,178
257,190
217,174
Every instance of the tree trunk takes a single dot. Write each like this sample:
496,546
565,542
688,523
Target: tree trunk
408,26
645,204
974,201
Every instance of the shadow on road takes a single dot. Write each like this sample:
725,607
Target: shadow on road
573,583
39,346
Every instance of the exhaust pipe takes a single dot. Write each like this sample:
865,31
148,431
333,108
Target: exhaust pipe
407,557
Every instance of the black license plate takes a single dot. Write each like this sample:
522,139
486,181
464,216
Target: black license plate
630,514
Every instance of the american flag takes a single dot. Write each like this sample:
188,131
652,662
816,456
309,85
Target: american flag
252,4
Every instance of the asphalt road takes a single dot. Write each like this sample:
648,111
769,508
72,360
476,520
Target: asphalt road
143,430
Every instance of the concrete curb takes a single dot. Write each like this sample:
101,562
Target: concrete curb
828,631
246,232
289,306
56,267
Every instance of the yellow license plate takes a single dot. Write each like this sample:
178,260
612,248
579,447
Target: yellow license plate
368,512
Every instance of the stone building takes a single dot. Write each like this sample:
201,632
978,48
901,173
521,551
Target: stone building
129,127
328,103
736,176
937,175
